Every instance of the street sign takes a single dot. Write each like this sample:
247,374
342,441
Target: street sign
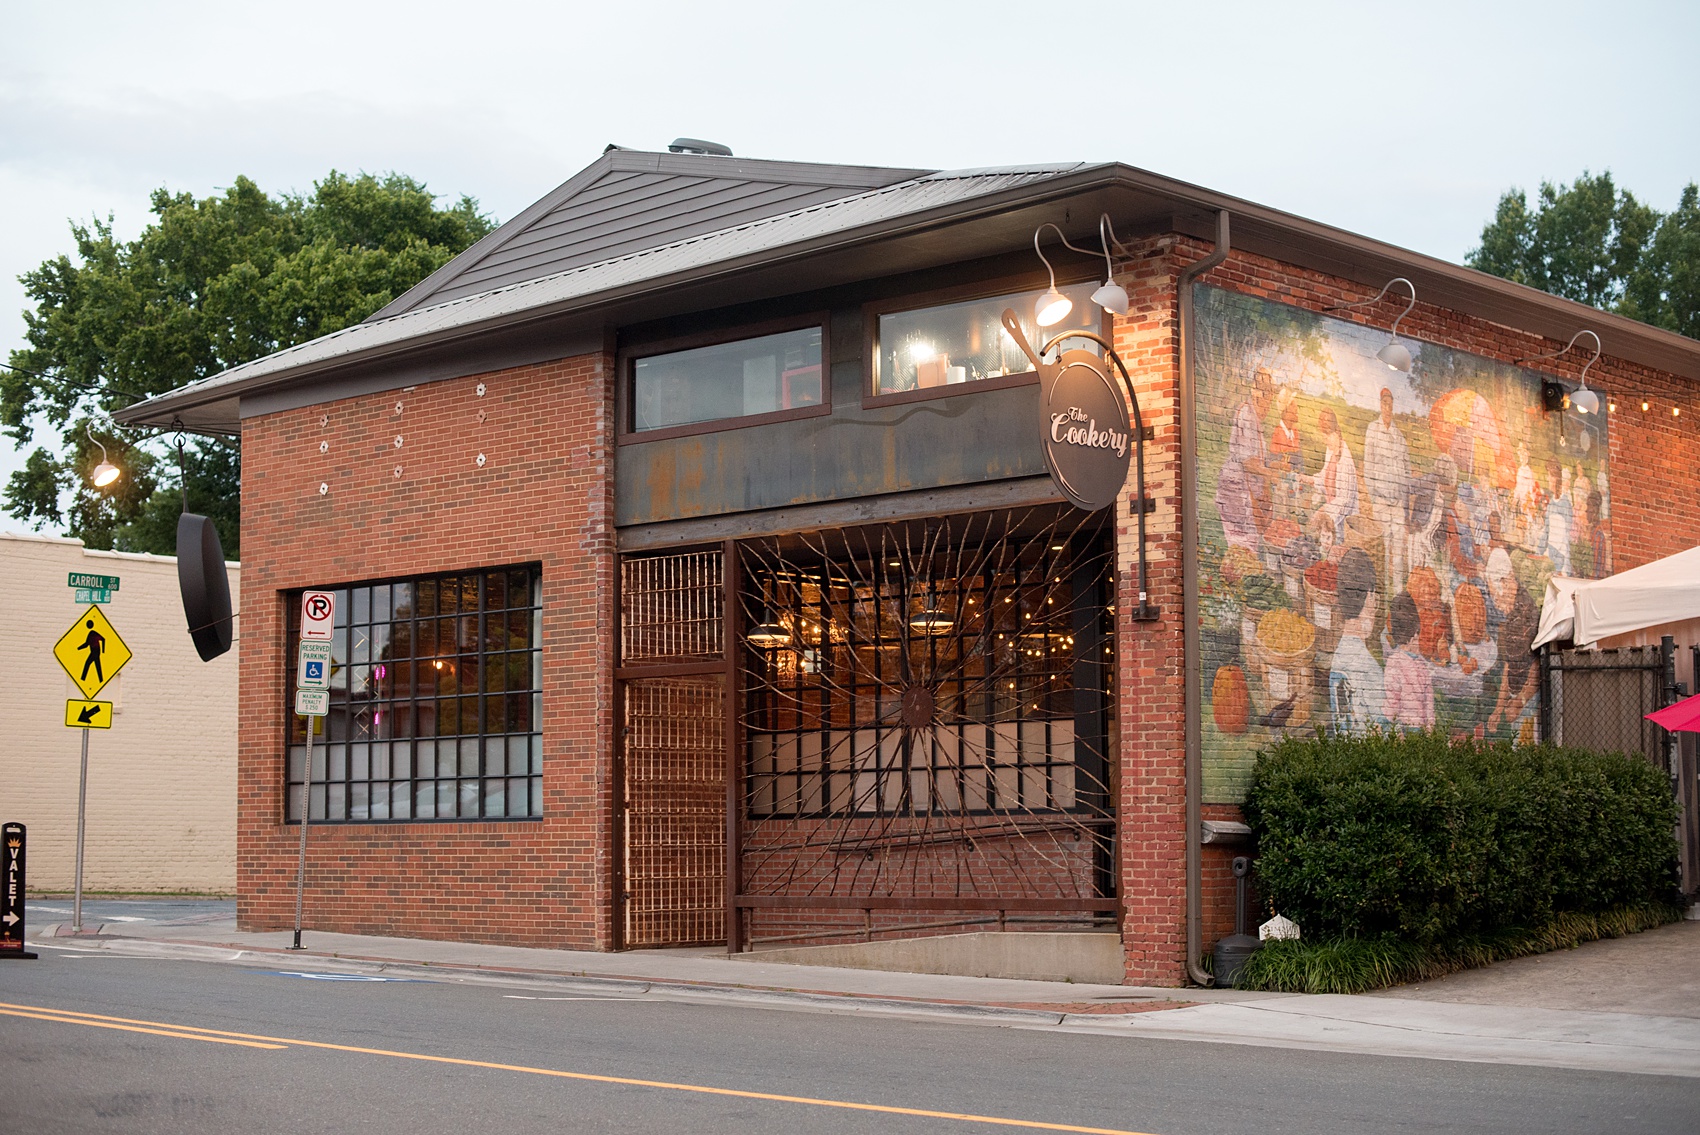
88,714
92,595
12,940
83,579
91,652
313,666
312,703
318,615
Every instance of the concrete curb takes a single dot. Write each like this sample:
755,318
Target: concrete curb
589,983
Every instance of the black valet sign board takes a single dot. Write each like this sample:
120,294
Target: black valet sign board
12,941
1083,422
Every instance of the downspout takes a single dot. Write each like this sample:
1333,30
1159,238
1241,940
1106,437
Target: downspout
1191,679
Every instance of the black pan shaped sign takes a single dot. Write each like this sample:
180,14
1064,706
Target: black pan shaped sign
204,585
1083,423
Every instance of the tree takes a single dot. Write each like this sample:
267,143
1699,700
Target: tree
1595,243
211,283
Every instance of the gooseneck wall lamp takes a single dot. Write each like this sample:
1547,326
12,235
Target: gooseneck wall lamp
106,473
1582,400
1053,307
1393,353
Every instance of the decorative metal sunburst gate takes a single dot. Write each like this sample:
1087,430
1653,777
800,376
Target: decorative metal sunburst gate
924,723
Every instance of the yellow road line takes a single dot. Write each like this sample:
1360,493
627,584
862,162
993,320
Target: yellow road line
71,1016
64,1020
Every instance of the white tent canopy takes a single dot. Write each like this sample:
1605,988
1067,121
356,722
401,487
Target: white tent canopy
1588,610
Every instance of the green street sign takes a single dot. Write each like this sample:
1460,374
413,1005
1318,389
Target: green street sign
86,595
98,582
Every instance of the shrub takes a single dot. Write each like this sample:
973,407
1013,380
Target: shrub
1432,841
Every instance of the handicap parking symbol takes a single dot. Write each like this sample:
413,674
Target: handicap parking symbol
315,671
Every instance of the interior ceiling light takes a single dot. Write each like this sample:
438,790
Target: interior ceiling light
1393,353
1582,399
1053,307
930,620
769,635
106,473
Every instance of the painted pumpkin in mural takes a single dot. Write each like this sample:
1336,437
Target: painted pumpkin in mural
1230,700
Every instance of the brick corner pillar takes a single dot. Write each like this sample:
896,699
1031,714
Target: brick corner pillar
1150,655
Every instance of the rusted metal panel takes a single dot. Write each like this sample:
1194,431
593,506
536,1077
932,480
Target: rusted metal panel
856,452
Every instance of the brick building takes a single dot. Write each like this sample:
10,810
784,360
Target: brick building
702,577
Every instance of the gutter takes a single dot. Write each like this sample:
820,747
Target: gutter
1190,675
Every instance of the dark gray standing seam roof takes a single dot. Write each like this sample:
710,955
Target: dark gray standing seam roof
629,200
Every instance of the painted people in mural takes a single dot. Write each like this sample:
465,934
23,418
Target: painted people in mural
1374,544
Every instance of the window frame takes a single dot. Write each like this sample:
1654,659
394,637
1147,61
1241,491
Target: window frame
629,354
321,739
944,297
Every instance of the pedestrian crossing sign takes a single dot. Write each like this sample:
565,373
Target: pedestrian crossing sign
91,652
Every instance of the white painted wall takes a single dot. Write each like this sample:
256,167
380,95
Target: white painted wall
162,780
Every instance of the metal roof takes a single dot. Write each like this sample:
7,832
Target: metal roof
597,280
926,221
627,201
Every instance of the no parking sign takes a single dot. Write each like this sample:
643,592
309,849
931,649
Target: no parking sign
318,615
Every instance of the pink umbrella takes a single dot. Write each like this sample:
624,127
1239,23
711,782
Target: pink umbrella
1683,717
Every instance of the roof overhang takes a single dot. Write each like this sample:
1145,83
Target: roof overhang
995,223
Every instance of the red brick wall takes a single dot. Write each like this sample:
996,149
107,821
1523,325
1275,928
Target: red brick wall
543,495
1149,707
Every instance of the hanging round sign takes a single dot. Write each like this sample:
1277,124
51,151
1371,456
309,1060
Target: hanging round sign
1088,441
1083,423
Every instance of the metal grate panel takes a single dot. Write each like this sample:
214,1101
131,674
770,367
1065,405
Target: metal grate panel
671,606
675,811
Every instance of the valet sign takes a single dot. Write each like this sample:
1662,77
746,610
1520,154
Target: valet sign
1086,431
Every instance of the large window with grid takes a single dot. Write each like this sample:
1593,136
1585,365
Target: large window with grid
435,701
962,669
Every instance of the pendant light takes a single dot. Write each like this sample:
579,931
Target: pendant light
930,620
769,633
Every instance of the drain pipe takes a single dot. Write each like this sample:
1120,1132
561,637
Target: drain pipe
1191,677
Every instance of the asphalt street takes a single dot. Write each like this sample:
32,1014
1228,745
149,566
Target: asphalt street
102,1042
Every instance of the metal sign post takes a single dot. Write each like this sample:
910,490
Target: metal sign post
12,938
312,701
92,644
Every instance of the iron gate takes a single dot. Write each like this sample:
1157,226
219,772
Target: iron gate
1598,699
673,744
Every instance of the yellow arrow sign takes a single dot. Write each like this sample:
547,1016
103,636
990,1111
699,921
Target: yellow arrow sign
91,652
88,714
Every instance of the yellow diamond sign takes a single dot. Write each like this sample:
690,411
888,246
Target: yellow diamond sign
91,652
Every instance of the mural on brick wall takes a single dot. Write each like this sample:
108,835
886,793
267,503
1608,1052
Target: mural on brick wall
1374,545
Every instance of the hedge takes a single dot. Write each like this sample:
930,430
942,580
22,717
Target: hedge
1436,843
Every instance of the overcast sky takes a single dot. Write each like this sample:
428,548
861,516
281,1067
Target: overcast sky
1404,122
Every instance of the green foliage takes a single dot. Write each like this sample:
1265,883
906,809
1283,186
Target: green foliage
1431,841
1664,290
211,283
1355,965
1592,242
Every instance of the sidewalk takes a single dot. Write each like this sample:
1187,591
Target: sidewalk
1630,1005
